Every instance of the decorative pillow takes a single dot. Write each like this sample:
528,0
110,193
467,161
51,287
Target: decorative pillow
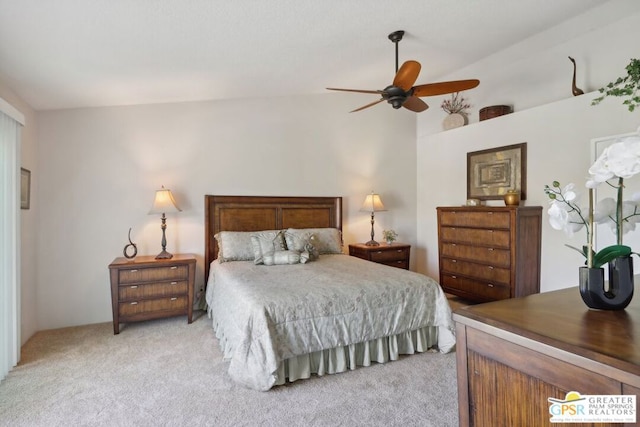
265,243
326,240
234,246
282,258
303,242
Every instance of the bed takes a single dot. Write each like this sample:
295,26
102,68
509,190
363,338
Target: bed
284,321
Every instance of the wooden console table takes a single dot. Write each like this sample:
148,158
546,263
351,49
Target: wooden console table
512,355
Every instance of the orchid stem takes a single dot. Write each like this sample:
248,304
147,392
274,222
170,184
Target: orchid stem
590,231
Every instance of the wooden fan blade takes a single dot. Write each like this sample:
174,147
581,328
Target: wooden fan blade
368,105
415,104
407,75
431,89
378,92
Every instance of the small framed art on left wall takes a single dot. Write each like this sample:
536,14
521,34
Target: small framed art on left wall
25,188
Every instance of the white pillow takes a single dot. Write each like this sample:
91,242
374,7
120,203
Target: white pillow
325,240
265,243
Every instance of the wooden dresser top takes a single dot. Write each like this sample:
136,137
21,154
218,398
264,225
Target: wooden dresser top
561,319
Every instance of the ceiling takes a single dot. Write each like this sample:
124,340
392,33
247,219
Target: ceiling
79,53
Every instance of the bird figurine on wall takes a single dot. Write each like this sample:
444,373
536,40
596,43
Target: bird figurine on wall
574,89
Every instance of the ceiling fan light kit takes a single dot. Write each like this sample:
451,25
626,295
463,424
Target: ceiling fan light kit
403,93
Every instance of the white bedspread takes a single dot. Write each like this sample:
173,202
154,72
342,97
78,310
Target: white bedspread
266,314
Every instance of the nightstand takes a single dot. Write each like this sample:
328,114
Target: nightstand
395,254
147,288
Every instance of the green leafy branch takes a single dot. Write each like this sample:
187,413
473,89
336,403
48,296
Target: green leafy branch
627,86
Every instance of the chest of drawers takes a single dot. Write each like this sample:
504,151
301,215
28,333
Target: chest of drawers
489,253
147,288
395,254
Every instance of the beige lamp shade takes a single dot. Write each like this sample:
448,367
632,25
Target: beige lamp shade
164,202
372,203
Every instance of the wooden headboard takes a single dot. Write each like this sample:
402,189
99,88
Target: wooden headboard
255,213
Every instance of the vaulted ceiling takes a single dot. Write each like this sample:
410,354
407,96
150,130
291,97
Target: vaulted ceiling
79,53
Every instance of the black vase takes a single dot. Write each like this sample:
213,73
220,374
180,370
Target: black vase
620,289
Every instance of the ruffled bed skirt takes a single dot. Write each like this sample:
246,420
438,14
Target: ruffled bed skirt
340,359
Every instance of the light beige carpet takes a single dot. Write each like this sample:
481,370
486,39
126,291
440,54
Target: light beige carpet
169,373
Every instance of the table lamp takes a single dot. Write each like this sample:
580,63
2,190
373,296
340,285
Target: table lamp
372,203
163,203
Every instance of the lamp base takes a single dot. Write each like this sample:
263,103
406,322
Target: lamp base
372,243
164,255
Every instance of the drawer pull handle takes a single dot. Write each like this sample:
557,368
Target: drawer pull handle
453,244
379,252
399,262
134,287
490,231
454,260
490,267
133,271
134,303
454,277
174,267
490,285
175,283
490,249
174,298
490,213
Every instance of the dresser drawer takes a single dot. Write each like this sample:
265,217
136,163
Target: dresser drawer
476,288
480,271
489,237
491,256
479,219
152,305
150,290
153,274
385,255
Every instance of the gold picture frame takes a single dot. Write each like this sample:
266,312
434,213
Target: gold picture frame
25,188
493,172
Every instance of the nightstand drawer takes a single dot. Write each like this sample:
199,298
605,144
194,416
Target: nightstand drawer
152,274
400,263
386,255
395,254
148,306
150,290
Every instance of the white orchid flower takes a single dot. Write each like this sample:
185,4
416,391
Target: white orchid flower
562,219
621,159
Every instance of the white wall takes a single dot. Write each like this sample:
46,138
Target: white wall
28,271
100,168
556,126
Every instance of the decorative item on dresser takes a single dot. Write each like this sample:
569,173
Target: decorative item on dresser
515,358
149,288
490,253
394,254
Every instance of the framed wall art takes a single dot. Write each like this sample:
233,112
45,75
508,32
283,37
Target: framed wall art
493,172
25,188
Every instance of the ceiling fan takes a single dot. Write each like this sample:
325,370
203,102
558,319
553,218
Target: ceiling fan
402,93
